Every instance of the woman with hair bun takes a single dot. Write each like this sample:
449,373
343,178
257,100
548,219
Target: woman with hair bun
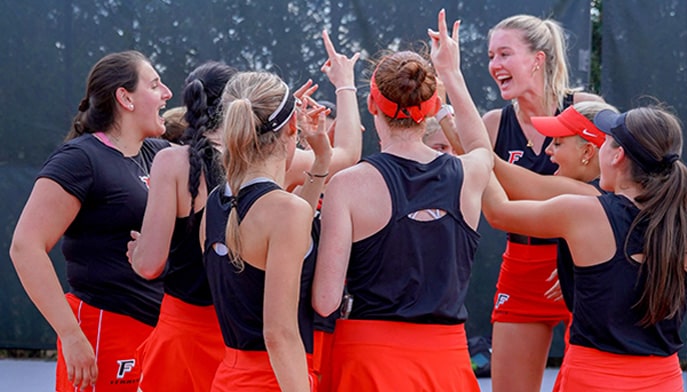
399,230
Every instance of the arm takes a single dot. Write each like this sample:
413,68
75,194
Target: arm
46,216
524,184
312,188
347,141
526,216
288,244
148,251
335,245
446,58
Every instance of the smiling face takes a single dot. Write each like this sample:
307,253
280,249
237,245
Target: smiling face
149,99
511,63
569,153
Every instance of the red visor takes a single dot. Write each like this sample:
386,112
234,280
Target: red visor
394,110
569,123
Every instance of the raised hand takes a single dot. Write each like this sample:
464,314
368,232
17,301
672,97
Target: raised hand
445,49
338,67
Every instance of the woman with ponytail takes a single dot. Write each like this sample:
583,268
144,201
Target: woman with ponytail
260,242
628,248
185,348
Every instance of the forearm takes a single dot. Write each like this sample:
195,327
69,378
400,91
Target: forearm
347,141
39,279
468,123
288,360
312,188
448,126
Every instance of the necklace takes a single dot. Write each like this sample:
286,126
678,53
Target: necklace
145,178
530,143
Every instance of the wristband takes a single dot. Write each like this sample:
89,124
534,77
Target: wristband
312,176
445,110
345,88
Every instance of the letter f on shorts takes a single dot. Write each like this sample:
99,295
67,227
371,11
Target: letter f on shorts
125,366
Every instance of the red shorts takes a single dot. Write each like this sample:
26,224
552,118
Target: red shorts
398,356
114,338
590,370
183,351
323,343
520,290
250,371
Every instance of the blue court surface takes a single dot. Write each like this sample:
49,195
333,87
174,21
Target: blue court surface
39,376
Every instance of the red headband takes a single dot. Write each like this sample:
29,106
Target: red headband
394,110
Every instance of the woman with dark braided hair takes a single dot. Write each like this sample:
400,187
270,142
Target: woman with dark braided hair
186,346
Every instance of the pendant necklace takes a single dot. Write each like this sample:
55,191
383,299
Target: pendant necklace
145,178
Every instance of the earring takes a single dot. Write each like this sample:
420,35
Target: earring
131,106
585,161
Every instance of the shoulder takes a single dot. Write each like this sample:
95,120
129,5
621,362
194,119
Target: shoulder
492,116
171,161
285,207
492,121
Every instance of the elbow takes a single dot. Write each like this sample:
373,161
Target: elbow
324,306
279,336
495,219
148,271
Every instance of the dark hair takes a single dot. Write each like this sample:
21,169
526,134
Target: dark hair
405,78
203,100
664,211
98,109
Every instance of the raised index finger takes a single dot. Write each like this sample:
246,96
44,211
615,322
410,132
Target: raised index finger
328,45
441,23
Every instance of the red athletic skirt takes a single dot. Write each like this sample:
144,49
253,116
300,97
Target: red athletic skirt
184,350
250,371
398,356
322,359
522,283
114,338
590,370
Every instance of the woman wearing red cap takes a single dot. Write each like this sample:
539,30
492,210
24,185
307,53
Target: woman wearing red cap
399,228
628,252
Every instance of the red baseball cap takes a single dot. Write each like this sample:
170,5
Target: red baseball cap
569,123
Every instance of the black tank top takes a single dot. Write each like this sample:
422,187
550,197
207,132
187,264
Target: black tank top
415,271
238,296
604,316
185,276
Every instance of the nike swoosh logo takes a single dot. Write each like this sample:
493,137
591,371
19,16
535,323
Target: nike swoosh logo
587,133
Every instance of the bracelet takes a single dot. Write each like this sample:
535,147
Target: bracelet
314,176
445,110
345,88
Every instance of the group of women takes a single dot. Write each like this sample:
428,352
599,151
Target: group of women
195,267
